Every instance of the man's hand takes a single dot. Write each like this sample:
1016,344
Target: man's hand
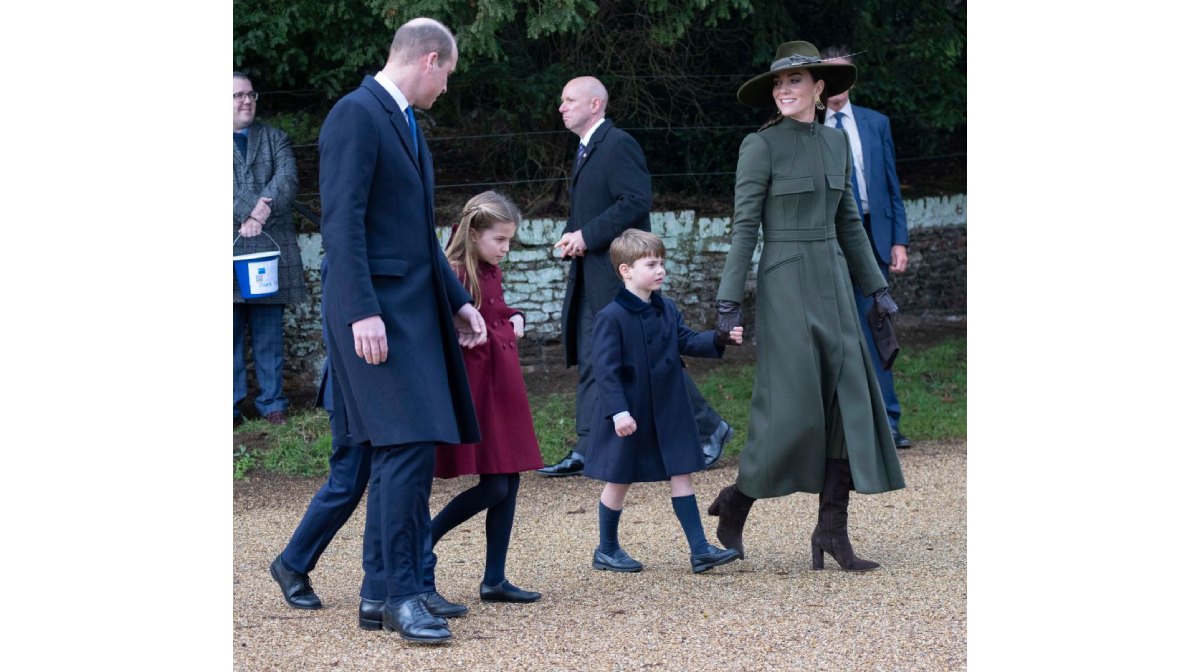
472,331
518,322
370,339
250,228
725,338
262,209
899,259
624,424
572,244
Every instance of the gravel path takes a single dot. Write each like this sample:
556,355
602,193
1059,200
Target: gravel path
768,612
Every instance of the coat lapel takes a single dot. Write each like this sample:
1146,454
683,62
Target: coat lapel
253,141
395,116
594,145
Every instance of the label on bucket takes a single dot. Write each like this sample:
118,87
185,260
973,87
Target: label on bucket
264,276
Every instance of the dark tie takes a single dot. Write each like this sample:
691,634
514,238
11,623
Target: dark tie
579,154
239,139
412,128
853,173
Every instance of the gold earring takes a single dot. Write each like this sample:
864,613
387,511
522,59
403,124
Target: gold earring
817,100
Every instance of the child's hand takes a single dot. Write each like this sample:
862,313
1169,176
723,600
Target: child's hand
733,336
518,322
624,424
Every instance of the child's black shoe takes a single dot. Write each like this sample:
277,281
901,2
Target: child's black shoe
617,561
712,556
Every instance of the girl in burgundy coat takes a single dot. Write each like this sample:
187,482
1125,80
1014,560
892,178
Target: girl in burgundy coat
481,239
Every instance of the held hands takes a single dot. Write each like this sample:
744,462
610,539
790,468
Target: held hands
370,339
725,338
885,304
518,322
624,423
472,331
572,244
250,228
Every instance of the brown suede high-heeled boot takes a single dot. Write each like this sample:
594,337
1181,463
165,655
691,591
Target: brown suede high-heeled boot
733,507
830,536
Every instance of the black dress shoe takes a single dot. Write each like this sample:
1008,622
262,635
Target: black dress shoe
440,606
715,444
901,440
370,614
711,557
414,622
297,591
507,592
571,465
617,561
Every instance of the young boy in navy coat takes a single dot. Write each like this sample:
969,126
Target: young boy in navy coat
644,429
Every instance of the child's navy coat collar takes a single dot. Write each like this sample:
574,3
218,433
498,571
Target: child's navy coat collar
630,301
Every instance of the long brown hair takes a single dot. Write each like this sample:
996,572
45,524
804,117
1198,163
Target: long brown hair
480,213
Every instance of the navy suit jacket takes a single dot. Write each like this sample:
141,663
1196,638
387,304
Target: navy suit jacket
889,224
382,258
609,193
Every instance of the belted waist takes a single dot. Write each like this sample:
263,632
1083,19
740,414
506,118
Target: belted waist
800,235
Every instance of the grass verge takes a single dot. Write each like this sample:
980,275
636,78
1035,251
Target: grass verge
931,384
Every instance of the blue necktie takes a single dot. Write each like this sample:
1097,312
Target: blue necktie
853,173
412,127
239,139
579,154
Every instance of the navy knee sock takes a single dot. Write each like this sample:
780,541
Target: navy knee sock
490,491
609,520
689,517
499,531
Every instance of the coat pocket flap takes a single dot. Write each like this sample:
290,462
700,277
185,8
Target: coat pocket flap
381,266
791,185
836,181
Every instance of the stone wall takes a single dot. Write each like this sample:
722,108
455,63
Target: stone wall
535,279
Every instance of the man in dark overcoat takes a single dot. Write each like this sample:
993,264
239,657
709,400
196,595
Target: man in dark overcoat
610,192
395,315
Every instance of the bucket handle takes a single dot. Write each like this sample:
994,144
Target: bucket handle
277,247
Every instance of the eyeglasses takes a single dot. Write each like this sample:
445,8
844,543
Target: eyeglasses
242,95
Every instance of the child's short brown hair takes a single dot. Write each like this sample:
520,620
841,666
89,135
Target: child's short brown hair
634,244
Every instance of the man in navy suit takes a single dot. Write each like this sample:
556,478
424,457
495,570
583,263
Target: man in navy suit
394,317
610,192
877,192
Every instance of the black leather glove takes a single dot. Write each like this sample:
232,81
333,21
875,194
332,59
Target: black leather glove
729,315
885,304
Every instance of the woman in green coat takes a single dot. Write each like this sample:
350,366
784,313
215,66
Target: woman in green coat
817,420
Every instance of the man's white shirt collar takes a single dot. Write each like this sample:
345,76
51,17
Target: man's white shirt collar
392,89
587,137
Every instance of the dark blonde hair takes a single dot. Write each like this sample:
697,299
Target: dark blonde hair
634,244
480,213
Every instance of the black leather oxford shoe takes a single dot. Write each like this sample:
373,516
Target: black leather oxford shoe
414,622
370,614
297,591
507,592
617,561
712,556
440,606
571,465
901,440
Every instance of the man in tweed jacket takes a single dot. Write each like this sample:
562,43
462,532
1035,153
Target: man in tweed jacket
264,185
